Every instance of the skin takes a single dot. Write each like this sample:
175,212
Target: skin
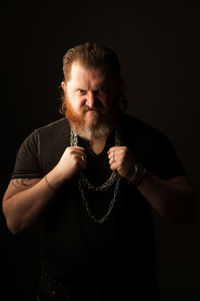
26,200
92,97
174,199
90,88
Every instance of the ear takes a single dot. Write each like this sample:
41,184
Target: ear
63,85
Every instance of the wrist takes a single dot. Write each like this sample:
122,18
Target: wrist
137,174
54,179
49,185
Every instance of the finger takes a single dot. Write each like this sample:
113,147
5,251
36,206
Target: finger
112,157
114,166
79,148
117,148
80,152
75,149
113,148
83,161
82,157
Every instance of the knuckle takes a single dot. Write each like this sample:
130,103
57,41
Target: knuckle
74,160
70,149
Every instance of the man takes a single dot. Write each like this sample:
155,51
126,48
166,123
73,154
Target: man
92,178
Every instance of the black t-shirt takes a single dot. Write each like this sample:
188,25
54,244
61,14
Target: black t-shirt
73,246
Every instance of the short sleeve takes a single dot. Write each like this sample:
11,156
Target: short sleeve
27,164
166,163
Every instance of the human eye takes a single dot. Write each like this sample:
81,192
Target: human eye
80,92
102,91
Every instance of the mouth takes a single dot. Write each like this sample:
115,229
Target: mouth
94,110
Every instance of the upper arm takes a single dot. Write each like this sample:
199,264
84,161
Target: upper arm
18,185
183,181
27,170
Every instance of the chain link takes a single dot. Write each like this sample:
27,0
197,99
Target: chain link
84,183
111,205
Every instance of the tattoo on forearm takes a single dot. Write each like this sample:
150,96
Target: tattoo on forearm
24,182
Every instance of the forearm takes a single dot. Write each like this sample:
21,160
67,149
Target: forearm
25,207
22,206
172,200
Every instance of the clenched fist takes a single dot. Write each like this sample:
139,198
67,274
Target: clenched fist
72,161
122,160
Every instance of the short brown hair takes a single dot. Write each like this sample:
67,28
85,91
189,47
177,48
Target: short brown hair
93,55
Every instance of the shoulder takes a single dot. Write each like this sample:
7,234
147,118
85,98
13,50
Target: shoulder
145,140
50,142
54,137
48,137
48,133
56,127
133,127
151,147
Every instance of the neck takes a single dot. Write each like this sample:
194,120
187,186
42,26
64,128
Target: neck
97,145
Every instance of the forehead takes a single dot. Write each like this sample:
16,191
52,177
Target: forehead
80,73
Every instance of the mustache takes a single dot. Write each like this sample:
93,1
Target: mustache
96,108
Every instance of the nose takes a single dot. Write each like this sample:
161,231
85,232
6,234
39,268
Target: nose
90,102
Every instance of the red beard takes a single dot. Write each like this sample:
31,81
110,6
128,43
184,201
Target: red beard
77,120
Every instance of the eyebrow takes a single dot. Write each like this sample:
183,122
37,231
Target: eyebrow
103,85
77,89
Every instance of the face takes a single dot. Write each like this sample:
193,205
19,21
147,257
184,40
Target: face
90,96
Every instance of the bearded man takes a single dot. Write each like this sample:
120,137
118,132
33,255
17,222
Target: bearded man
92,178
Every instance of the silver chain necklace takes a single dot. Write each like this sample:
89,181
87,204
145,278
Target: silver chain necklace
85,184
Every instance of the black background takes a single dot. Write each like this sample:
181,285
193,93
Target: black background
156,42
